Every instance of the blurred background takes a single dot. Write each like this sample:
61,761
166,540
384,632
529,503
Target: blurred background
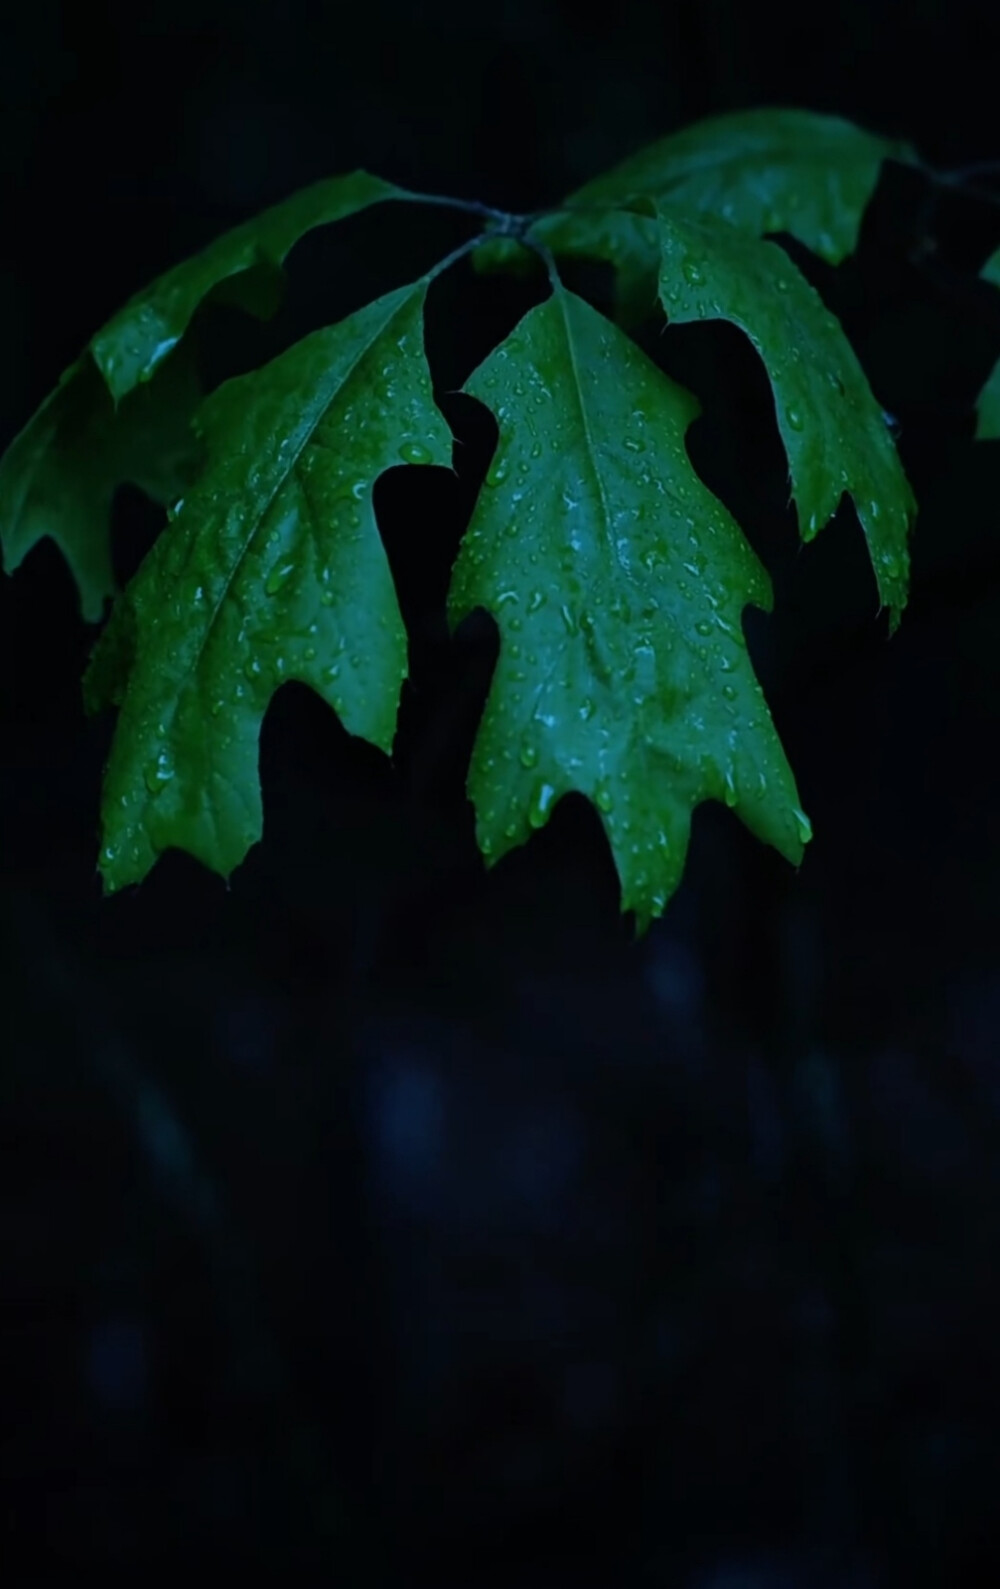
385,1218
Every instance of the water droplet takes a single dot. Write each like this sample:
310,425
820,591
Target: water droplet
633,444
703,626
278,577
541,804
604,800
536,599
414,452
529,754
729,692
803,824
729,789
693,272
794,418
781,283
252,668
497,472
158,773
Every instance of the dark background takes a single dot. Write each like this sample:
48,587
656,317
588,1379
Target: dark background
381,1217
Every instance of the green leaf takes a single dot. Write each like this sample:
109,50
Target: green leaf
833,430
618,583
59,475
771,169
988,402
272,569
135,340
988,408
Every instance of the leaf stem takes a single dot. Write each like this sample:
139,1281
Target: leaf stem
456,254
504,222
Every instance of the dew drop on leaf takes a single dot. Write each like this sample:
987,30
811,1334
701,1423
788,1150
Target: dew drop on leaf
278,577
158,773
414,452
541,804
604,800
529,754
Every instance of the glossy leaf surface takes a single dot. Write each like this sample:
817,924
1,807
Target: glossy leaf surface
272,569
833,430
618,583
766,170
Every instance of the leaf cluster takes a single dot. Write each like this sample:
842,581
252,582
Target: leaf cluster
616,578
